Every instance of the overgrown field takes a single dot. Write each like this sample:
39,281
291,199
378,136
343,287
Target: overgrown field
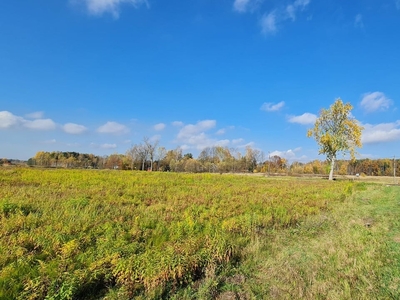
86,234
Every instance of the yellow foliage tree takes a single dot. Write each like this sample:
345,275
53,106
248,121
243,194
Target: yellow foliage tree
335,131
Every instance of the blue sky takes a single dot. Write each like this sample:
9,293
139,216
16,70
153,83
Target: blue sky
96,76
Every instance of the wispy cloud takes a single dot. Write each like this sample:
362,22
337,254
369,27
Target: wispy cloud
159,126
99,7
73,128
397,3
304,119
270,20
375,101
224,130
108,146
293,8
268,23
113,128
240,5
243,6
381,133
358,21
270,107
103,146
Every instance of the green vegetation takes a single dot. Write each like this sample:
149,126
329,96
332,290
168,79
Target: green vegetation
211,160
73,234
350,252
336,131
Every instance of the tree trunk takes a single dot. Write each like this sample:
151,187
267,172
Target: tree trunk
332,167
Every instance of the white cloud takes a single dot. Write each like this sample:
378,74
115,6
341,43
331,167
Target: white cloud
358,21
177,123
194,136
99,7
237,141
381,133
240,5
250,144
191,130
113,128
303,119
220,132
272,107
35,115
108,146
292,8
284,154
8,120
278,14
103,146
243,6
74,128
268,23
291,11
375,101
222,143
184,147
159,126
40,124
290,155
155,138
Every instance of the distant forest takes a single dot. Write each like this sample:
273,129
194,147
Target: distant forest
150,157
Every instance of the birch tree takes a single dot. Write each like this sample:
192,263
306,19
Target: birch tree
336,131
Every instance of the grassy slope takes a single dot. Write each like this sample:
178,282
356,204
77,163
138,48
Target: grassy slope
351,252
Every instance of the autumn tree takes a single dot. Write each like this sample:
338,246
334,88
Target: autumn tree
150,146
160,155
133,155
143,154
172,159
336,131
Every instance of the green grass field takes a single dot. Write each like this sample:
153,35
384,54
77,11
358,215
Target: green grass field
88,234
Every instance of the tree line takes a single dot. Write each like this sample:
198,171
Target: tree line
149,156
